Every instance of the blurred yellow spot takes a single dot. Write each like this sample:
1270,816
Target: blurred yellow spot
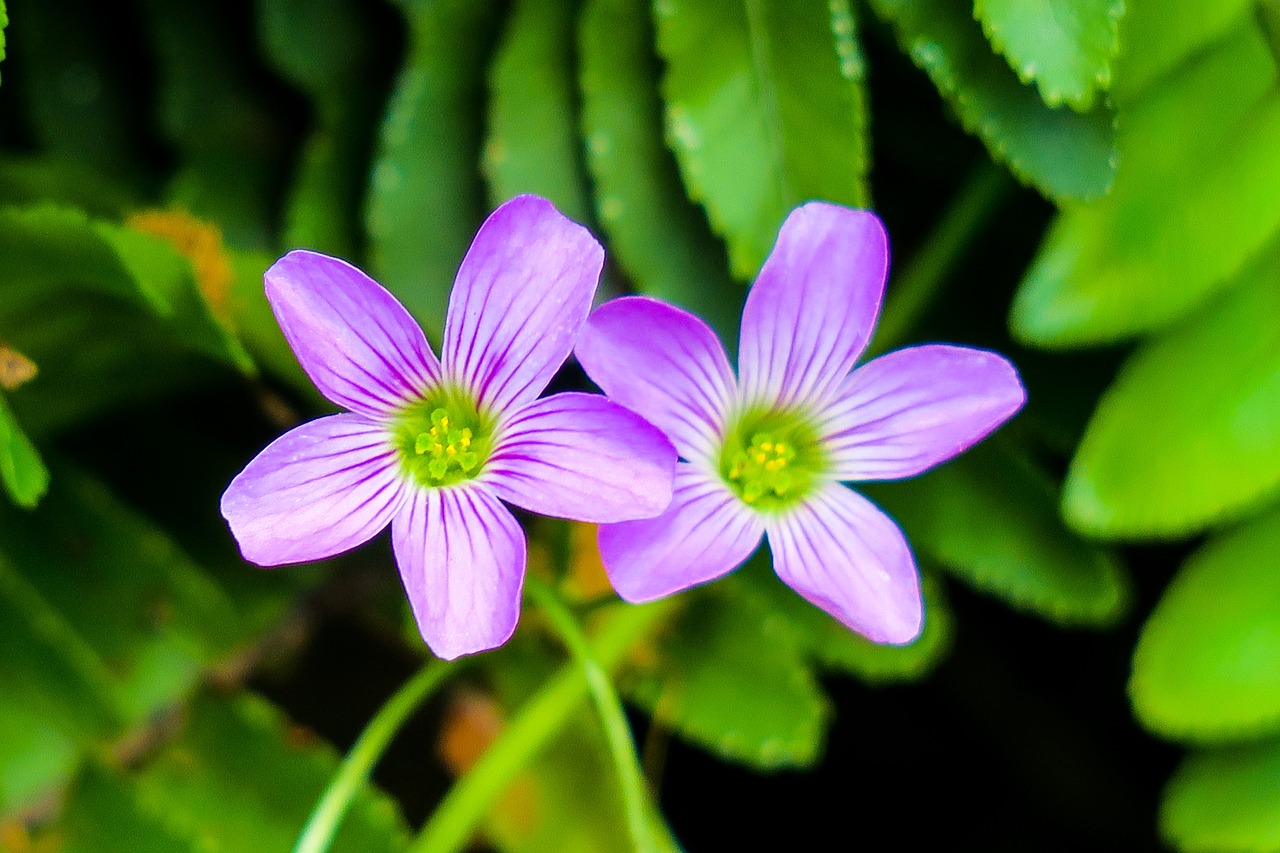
15,368
201,243
471,723
586,578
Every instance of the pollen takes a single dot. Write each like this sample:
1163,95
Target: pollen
445,447
771,459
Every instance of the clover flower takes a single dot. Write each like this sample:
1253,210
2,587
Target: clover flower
767,453
432,447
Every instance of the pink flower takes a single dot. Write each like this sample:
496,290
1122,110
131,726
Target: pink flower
434,446
767,452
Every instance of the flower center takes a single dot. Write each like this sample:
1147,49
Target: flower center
443,439
772,460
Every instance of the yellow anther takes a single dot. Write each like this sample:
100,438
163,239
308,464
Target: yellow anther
768,445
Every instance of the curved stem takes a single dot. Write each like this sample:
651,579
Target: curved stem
613,718
921,280
318,834
455,820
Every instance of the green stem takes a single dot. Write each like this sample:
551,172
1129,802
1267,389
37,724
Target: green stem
457,817
613,718
922,279
318,834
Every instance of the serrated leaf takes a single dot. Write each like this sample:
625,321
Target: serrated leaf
22,471
238,778
990,518
765,111
1158,35
1065,47
426,199
533,144
661,240
1210,388
1062,153
732,677
1197,195
1205,664
1225,800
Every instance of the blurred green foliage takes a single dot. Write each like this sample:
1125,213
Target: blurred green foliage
146,185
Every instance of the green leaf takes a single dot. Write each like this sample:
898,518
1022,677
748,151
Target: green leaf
230,134
1062,153
1209,387
1197,195
426,199
330,59
732,676
1205,664
4,22
27,181
838,649
1156,36
21,469
765,111
661,240
1065,47
109,314
990,518
533,144
1225,800
239,777
145,610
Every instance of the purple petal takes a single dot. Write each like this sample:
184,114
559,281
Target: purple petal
318,490
522,295
356,342
664,363
911,409
583,457
706,532
846,556
812,309
461,556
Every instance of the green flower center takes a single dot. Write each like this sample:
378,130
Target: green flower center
443,439
772,460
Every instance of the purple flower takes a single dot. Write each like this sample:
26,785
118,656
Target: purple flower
767,452
432,446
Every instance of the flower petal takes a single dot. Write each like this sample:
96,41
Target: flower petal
706,532
356,342
522,295
907,411
812,309
318,490
844,555
583,457
666,364
462,557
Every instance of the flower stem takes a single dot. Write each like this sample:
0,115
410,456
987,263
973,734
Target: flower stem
368,748
613,718
455,820
922,279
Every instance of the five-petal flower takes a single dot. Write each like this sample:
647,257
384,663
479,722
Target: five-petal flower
766,452
432,447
